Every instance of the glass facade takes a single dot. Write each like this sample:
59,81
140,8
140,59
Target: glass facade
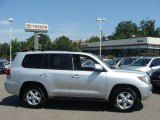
126,50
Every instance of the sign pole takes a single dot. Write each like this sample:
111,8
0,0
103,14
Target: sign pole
36,42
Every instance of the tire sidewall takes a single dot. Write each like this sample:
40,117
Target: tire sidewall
42,95
129,90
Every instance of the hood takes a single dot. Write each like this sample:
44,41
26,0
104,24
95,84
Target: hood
129,71
132,68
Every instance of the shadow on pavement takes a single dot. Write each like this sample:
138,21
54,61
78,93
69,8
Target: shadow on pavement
12,101
78,105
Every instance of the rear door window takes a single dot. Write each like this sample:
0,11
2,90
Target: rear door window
60,61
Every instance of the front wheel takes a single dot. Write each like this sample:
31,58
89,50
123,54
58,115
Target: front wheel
34,96
125,99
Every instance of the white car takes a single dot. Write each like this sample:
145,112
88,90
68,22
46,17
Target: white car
145,64
38,76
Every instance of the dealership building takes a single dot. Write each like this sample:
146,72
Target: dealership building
144,46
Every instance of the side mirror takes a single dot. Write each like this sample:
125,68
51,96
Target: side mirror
98,68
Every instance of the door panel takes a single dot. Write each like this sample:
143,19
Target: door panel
56,71
85,82
88,84
58,82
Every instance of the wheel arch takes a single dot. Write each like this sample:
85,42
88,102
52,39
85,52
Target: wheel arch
31,83
118,86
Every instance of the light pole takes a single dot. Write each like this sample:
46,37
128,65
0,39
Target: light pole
100,21
10,20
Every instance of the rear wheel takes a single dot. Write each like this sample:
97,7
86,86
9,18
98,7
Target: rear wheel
34,96
125,99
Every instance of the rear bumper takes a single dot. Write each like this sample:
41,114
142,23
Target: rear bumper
12,86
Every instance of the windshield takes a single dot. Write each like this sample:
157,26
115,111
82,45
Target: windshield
113,62
141,62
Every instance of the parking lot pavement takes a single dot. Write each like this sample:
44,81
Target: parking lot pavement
13,109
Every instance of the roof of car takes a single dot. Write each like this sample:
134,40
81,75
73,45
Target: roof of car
149,57
65,52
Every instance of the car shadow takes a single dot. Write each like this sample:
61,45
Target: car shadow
12,101
78,105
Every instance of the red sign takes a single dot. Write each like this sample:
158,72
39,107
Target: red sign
32,27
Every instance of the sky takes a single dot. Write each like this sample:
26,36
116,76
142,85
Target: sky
75,19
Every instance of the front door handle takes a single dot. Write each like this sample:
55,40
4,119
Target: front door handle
76,76
43,75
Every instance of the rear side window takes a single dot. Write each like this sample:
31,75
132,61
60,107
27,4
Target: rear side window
32,61
48,61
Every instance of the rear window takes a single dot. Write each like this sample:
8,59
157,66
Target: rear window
48,61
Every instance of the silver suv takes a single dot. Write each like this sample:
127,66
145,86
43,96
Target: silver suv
38,76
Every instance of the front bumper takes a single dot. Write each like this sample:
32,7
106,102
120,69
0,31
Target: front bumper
146,91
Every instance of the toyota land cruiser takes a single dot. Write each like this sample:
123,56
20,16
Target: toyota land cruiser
38,76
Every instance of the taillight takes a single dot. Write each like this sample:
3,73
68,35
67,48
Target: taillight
8,73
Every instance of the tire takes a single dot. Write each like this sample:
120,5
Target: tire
34,96
125,99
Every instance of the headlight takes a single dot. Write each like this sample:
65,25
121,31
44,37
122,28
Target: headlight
145,79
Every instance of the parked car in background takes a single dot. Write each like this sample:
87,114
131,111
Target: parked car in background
2,67
6,63
121,61
145,64
155,78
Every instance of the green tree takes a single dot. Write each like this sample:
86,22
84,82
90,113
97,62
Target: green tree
147,28
125,29
23,46
77,45
93,39
44,42
30,43
4,50
157,32
15,47
63,43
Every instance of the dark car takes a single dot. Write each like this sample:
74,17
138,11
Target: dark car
155,78
2,68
